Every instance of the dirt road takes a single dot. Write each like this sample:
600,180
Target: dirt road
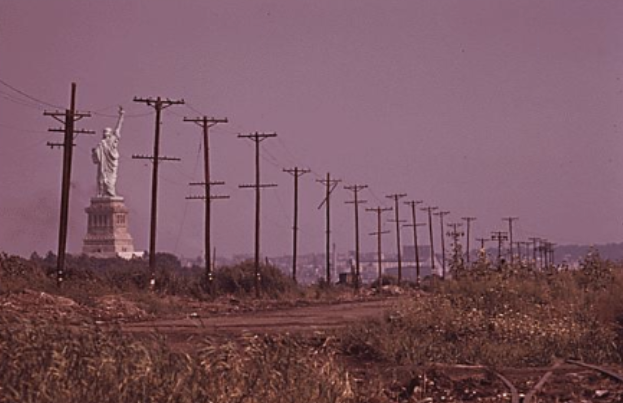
292,320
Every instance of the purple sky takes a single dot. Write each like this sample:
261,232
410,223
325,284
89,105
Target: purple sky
484,108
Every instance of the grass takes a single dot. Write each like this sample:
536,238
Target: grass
510,317
498,319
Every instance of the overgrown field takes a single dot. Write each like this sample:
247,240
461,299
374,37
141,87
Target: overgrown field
508,317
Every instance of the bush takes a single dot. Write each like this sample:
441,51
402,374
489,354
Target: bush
240,280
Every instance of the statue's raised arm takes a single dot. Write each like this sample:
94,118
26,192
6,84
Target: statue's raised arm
119,122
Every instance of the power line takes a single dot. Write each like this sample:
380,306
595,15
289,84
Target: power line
32,98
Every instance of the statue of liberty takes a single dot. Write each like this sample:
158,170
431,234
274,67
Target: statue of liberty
106,156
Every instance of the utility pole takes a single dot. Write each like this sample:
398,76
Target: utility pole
379,211
68,118
430,232
414,224
499,236
534,250
356,202
296,172
483,251
330,185
482,242
257,138
396,197
527,246
468,220
206,123
455,234
159,104
551,252
510,235
518,245
441,215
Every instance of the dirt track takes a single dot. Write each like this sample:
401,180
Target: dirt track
299,319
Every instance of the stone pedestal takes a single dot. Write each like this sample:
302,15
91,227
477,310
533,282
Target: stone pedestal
107,230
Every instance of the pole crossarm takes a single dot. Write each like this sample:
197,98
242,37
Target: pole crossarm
151,158
213,183
261,186
212,197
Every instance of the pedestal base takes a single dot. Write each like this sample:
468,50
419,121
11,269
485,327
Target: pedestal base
107,229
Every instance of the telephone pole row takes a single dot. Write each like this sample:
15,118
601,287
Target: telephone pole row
68,119
159,104
206,123
257,138
356,202
296,172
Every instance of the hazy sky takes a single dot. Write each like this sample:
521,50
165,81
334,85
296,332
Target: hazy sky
483,108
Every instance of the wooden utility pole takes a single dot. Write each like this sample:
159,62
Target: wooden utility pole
430,232
482,242
396,197
527,246
468,220
296,172
68,118
535,242
206,123
500,237
330,185
414,224
510,235
257,138
441,215
455,234
159,104
356,202
379,250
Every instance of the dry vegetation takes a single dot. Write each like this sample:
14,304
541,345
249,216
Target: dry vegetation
513,317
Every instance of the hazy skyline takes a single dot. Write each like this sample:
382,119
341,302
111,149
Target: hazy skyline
483,108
